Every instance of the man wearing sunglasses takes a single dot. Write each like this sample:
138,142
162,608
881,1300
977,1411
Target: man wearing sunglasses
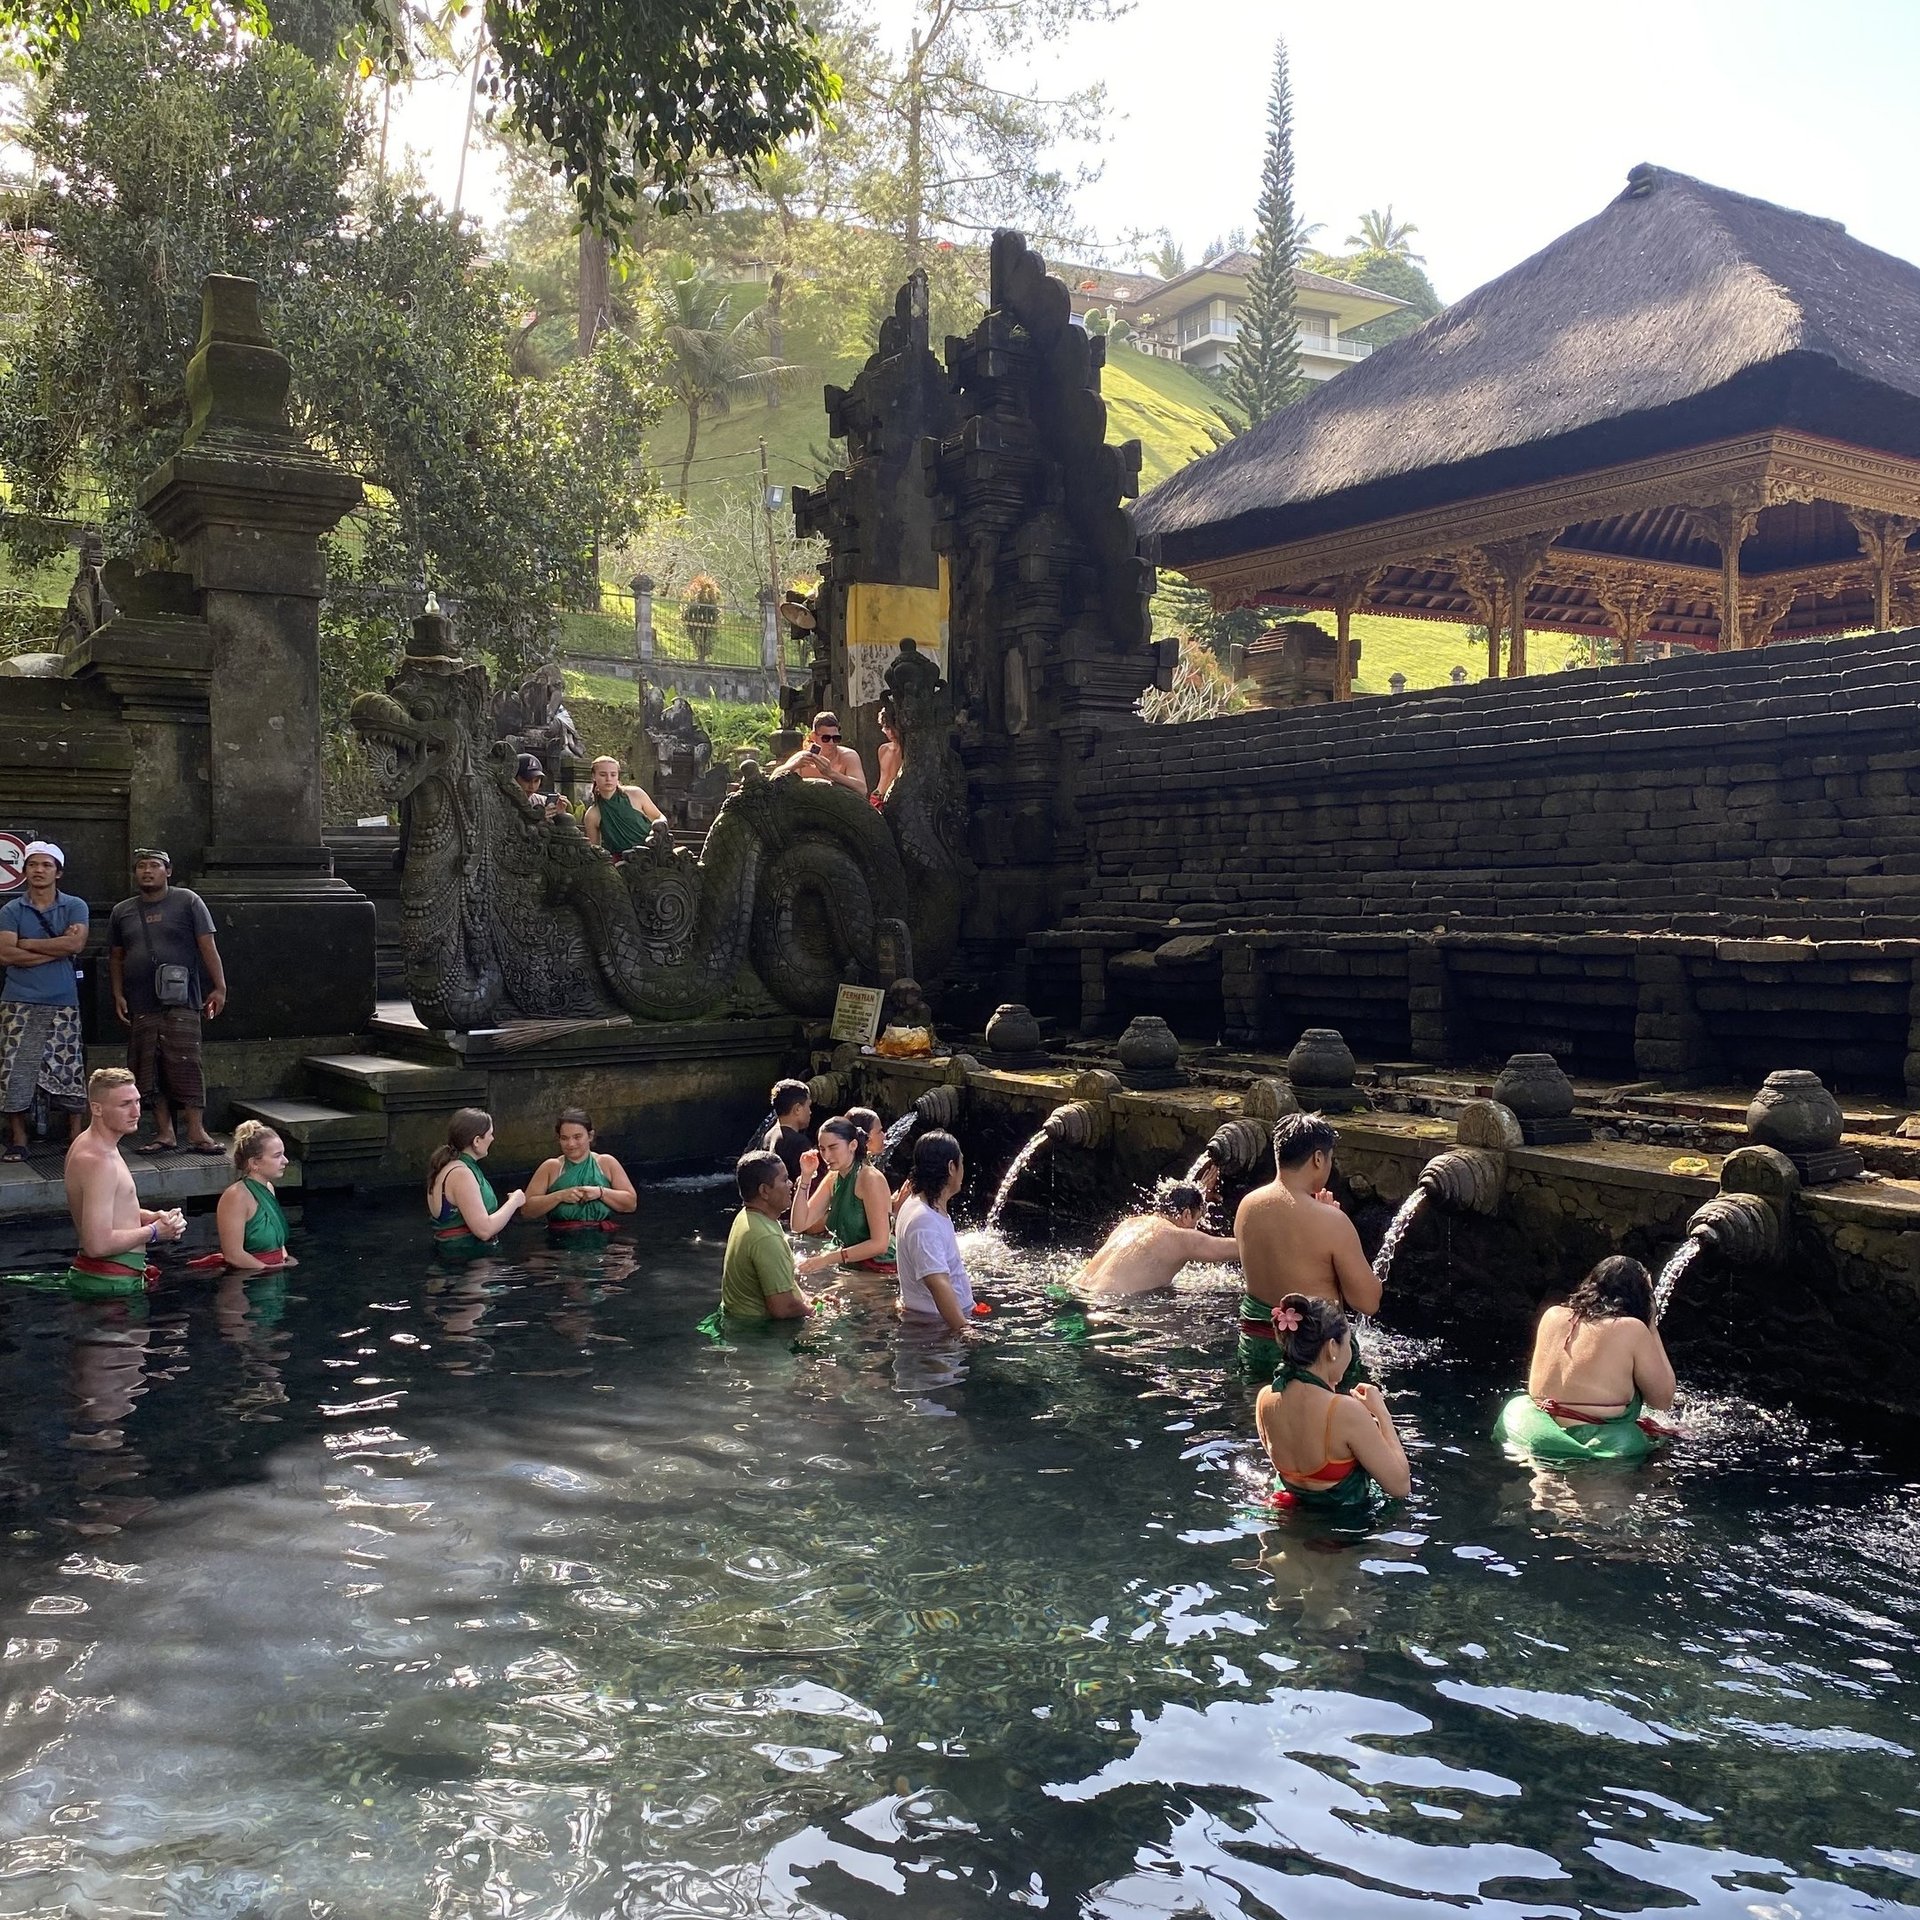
825,757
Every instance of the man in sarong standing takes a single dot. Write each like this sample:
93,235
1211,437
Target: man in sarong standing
167,974
41,930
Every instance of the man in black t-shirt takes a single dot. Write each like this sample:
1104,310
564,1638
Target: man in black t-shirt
166,973
792,1115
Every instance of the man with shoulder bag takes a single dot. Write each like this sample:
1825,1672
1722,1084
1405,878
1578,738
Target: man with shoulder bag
166,973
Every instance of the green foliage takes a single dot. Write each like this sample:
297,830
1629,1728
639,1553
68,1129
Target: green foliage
1265,373
1392,273
709,354
631,98
1184,609
1380,232
169,154
731,724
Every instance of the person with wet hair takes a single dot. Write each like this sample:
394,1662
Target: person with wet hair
851,1202
1293,1238
580,1189
1598,1364
467,1215
1144,1252
757,1280
786,1135
1334,1449
933,1277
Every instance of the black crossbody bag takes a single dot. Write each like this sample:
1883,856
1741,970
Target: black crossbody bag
172,983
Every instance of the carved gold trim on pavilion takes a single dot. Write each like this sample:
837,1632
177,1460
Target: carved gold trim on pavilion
1745,475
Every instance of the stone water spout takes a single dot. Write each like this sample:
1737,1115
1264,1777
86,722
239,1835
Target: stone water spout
1086,1120
1237,1147
941,1106
1744,1224
1467,1177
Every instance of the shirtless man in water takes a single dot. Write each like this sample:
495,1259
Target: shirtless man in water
1145,1251
1293,1238
115,1229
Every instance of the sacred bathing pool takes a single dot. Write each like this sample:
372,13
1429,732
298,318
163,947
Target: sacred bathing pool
389,1586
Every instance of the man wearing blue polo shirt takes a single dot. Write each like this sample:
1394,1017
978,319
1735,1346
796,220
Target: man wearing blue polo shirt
41,930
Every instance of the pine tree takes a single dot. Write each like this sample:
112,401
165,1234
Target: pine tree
1265,375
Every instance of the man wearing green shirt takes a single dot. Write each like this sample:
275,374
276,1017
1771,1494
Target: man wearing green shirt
757,1278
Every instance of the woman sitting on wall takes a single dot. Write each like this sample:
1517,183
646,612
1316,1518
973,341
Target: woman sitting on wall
852,1201
467,1215
892,755
1333,1453
1598,1363
579,1190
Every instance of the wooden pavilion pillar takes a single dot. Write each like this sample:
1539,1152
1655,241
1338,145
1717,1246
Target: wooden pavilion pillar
1349,592
1479,581
1628,605
1518,563
1883,539
1763,608
1728,524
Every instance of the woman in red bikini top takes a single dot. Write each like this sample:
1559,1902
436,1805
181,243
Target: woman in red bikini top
1328,1448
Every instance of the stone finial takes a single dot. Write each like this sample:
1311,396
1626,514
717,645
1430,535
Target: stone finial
1320,1058
1013,1029
1794,1112
237,380
1149,1054
434,641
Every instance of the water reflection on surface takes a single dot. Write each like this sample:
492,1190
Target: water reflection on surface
399,1590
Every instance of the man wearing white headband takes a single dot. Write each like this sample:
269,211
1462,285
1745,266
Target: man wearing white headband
41,932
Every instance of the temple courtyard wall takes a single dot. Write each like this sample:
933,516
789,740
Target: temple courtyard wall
1700,868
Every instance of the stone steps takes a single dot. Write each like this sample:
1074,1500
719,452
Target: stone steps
332,1146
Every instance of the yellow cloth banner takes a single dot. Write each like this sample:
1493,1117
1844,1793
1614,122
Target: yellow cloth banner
879,617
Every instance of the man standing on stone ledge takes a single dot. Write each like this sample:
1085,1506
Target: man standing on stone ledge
618,818
41,930
166,973
824,758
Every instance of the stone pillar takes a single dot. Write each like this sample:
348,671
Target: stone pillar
642,586
1670,1040
245,502
1912,1064
1430,1017
770,637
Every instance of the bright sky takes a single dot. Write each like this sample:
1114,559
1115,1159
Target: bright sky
1490,124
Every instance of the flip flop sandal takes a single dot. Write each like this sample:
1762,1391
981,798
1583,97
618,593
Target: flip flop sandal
209,1150
16,1156
154,1147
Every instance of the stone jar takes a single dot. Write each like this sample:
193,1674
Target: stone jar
1148,1045
1013,1029
1320,1058
1794,1112
1532,1087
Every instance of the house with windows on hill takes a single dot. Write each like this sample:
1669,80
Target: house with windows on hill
1195,317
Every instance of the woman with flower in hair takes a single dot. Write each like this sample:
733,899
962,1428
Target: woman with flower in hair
1333,1452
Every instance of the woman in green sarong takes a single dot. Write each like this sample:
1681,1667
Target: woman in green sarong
253,1229
467,1215
851,1202
1335,1452
580,1190
1598,1365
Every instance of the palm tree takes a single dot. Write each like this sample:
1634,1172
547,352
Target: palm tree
1168,259
1380,232
709,353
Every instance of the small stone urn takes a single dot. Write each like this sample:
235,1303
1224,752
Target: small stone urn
1149,1055
1013,1036
1794,1112
1320,1069
1534,1090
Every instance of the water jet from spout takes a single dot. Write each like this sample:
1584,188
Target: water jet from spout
1397,1230
1678,1261
1021,1162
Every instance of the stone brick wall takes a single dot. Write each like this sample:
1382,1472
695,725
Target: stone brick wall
1678,867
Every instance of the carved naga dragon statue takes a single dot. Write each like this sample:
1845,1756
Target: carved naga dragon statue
509,914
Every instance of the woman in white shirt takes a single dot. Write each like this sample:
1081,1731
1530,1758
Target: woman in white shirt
933,1280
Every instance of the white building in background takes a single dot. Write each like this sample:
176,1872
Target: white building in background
1195,317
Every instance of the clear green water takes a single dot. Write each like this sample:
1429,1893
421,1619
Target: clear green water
503,1593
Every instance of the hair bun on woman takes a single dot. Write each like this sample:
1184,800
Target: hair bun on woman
249,1137
1311,1324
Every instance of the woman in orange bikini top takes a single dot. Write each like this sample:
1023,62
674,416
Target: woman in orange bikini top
1331,1451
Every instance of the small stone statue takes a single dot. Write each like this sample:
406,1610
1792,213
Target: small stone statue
89,605
533,718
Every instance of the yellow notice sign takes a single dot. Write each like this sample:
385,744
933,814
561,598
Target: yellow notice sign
856,1015
879,617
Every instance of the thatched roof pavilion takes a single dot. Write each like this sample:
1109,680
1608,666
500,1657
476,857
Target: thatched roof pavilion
1694,418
